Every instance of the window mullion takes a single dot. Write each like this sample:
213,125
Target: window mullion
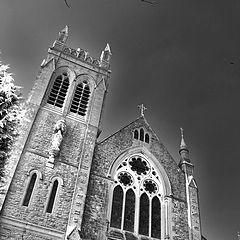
165,217
137,212
150,217
123,208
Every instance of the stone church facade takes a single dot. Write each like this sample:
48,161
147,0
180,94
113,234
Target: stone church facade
63,183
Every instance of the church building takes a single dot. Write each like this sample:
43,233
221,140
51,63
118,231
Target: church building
63,183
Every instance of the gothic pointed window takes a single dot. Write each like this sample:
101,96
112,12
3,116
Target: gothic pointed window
116,216
136,134
52,197
141,134
129,211
80,99
156,218
59,90
144,215
30,190
146,138
136,205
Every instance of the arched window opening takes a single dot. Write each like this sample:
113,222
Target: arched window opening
136,134
29,190
136,203
117,204
144,215
59,90
80,99
156,218
146,138
141,135
52,197
129,211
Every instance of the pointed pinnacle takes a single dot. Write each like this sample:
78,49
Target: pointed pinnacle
107,48
183,145
65,30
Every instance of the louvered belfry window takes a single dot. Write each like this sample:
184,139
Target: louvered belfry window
59,90
80,99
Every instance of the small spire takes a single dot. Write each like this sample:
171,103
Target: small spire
183,145
106,55
63,35
142,109
107,48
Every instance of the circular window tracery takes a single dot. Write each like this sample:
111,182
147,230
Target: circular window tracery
136,176
125,178
139,165
150,186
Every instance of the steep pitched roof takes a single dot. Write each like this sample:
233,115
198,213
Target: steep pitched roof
140,120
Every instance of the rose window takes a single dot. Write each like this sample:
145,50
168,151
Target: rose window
139,165
150,186
125,178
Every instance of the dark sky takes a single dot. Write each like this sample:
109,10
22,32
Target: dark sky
180,58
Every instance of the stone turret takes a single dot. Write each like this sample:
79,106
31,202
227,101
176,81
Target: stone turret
105,56
186,165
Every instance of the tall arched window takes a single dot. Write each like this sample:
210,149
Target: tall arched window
129,211
146,138
52,196
144,215
141,134
59,90
156,218
80,99
116,217
136,134
29,191
136,201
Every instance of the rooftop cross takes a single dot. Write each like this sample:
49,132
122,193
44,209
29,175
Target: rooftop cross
142,109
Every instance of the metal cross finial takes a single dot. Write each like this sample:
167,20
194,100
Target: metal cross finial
142,109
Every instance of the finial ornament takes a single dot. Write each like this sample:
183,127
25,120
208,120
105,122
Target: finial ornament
183,145
63,35
181,131
105,56
107,48
142,109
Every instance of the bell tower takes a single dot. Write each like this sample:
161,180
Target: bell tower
45,191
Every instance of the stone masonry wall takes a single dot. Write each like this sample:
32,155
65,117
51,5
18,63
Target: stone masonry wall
35,157
14,233
179,219
95,216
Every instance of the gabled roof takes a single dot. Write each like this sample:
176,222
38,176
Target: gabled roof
141,120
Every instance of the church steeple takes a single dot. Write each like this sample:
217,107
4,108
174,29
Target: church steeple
191,191
185,163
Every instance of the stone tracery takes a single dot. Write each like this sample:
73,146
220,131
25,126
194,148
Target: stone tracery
135,176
